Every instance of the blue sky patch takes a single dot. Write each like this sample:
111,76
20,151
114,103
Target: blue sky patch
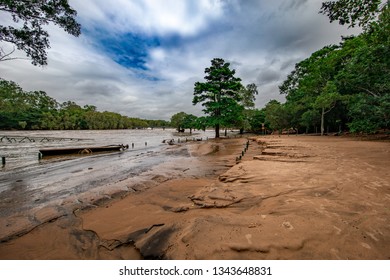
129,50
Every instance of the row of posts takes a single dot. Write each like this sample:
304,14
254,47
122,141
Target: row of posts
132,145
178,141
246,147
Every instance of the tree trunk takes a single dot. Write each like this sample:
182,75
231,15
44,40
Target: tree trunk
322,121
217,131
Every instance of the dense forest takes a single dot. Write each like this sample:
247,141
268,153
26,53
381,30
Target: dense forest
36,110
340,87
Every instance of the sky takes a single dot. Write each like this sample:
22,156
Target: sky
141,58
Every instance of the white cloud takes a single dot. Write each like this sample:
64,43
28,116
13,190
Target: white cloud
149,16
262,40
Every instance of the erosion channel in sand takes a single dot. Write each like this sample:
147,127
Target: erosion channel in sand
289,197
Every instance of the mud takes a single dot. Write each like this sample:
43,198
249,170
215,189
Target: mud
295,197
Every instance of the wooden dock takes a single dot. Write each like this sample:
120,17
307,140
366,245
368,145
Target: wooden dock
81,150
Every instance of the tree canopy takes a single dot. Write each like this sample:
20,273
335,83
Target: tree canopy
349,82
182,121
28,34
20,109
352,12
219,95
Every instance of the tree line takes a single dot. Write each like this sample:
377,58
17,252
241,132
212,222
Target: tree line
344,86
20,109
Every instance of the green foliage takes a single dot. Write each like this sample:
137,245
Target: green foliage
248,95
326,101
22,124
13,105
311,88
30,36
178,120
310,118
328,97
368,67
349,82
219,95
369,113
201,123
182,121
244,112
190,122
254,120
351,12
37,110
276,115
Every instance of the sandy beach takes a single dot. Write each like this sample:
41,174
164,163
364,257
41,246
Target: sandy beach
289,197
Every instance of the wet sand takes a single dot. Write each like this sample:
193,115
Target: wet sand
290,197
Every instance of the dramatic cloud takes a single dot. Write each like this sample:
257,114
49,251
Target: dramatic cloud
142,58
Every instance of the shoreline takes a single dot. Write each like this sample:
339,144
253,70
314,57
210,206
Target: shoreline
290,197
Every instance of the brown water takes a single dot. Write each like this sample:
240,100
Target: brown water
28,184
21,152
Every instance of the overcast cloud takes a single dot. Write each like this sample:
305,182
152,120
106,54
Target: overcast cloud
141,58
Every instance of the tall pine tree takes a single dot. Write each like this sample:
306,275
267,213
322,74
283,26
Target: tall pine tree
220,95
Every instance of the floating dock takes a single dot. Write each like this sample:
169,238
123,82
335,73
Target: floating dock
81,150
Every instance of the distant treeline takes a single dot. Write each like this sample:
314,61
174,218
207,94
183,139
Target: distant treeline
36,110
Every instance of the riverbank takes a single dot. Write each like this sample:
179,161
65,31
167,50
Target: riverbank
290,197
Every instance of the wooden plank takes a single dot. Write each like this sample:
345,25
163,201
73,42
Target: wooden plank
81,150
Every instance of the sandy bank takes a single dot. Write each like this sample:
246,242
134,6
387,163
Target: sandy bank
291,197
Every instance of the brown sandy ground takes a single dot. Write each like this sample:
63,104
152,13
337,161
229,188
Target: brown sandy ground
290,197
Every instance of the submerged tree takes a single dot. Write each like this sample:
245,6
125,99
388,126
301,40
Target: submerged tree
219,95
30,36
180,121
190,122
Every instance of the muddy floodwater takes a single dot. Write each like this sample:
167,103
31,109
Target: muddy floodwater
29,184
